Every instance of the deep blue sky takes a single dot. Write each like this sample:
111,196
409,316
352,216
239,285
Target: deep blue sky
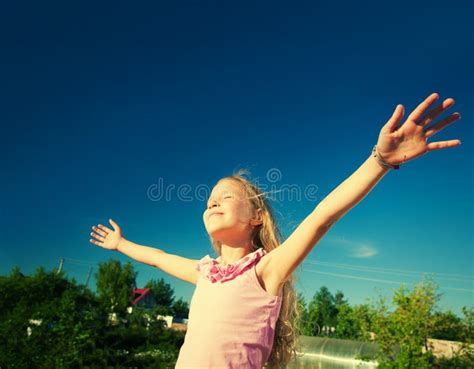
100,101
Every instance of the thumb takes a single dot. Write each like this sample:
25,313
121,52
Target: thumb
395,118
114,225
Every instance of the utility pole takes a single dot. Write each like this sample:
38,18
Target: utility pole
88,275
61,262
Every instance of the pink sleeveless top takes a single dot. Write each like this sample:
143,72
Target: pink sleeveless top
231,318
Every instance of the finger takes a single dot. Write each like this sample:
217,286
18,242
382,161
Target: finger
115,225
395,118
99,231
100,238
420,109
96,242
446,104
105,229
443,144
440,125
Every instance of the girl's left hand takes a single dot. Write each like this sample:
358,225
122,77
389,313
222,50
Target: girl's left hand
398,145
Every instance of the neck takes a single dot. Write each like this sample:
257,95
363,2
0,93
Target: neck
230,254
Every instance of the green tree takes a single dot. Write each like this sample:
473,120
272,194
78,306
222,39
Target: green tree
447,326
468,324
115,284
354,322
364,316
47,321
402,334
464,357
347,326
339,300
163,294
180,309
321,312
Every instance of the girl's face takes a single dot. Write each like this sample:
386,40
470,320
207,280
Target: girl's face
229,214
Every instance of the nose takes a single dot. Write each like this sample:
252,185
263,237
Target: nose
214,202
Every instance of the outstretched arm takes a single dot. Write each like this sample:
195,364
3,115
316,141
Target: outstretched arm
175,265
396,145
351,191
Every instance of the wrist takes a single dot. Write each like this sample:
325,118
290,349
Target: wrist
378,157
120,244
379,166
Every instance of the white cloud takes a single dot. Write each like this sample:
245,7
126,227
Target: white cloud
355,249
364,252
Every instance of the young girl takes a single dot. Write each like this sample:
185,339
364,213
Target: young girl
243,312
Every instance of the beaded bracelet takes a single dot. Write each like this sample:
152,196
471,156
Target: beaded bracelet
376,154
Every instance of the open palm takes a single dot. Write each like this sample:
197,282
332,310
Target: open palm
398,145
105,237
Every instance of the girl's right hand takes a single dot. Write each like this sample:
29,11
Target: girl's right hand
105,237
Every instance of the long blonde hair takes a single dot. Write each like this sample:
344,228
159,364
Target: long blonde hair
267,235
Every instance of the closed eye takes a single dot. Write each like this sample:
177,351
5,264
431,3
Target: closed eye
225,197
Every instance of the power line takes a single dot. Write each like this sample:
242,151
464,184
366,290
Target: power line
452,277
344,266
79,262
381,280
405,272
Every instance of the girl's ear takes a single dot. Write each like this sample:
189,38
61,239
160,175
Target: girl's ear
258,218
